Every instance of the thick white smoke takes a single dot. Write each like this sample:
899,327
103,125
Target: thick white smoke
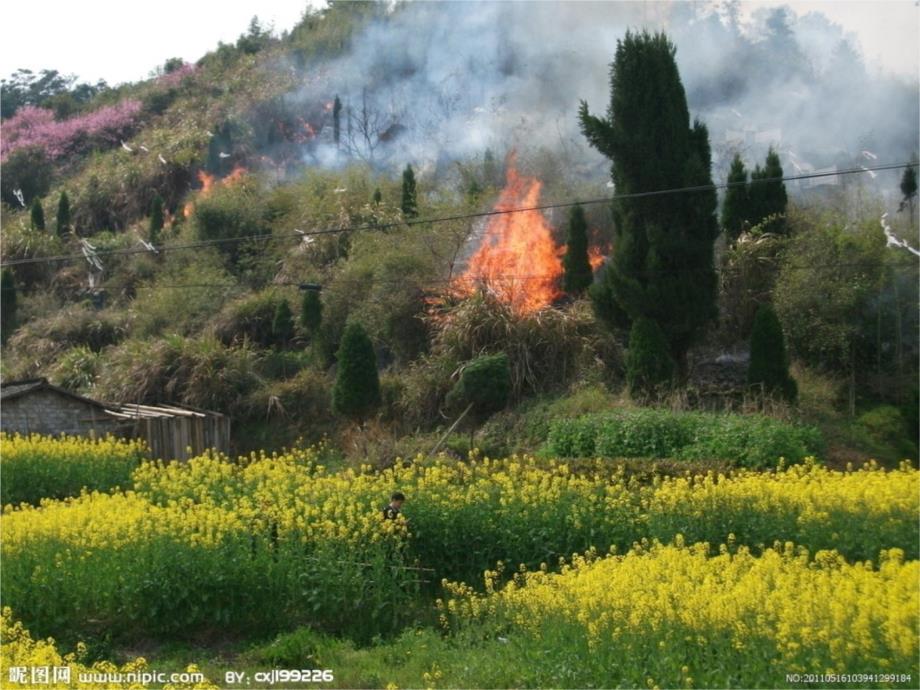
437,82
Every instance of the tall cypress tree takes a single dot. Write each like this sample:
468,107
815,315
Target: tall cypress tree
63,214
768,195
337,120
409,203
769,365
7,304
578,274
156,219
663,267
736,204
757,208
357,385
37,214
311,313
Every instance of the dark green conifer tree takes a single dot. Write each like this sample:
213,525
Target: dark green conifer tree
311,313
63,215
7,304
649,367
37,214
409,202
337,120
282,324
156,220
769,365
663,266
909,190
768,196
578,275
357,385
736,204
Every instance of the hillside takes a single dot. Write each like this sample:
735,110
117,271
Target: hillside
206,197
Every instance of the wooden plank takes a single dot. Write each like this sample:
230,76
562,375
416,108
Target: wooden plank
172,409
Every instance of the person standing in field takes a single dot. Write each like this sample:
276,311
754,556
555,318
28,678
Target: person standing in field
394,507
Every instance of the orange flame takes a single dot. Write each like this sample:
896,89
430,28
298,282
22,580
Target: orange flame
517,258
596,258
235,176
207,185
207,181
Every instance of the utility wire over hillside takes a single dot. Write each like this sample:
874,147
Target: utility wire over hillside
509,277
300,234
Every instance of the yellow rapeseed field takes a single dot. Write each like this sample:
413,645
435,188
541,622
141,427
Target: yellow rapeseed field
36,467
274,541
43,666
675,616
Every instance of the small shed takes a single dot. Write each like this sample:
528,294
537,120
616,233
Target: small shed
34,406
170,431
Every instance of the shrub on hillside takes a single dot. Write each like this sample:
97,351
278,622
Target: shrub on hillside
28,170
231,212
283,364
745,440
484,386
823,309
425,385
32,126
546,349
160,308
749,269
885,424
248,318
382,284
19,241
113,189
198,371
649,366
76,369
752,441
43,340
303,401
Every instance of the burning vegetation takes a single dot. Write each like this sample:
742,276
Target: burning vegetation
208,183
518,259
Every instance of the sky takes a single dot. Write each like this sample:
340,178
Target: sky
124,41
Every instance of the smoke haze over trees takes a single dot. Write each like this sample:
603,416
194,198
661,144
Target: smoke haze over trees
445,81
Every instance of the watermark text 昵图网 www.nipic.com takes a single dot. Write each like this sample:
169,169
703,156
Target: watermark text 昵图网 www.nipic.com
46,675
831,678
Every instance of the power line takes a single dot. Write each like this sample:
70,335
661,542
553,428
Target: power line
268,237
504,277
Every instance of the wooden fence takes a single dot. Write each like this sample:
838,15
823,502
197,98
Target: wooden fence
175,431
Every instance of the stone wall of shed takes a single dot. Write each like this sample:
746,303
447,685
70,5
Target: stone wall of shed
48,412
